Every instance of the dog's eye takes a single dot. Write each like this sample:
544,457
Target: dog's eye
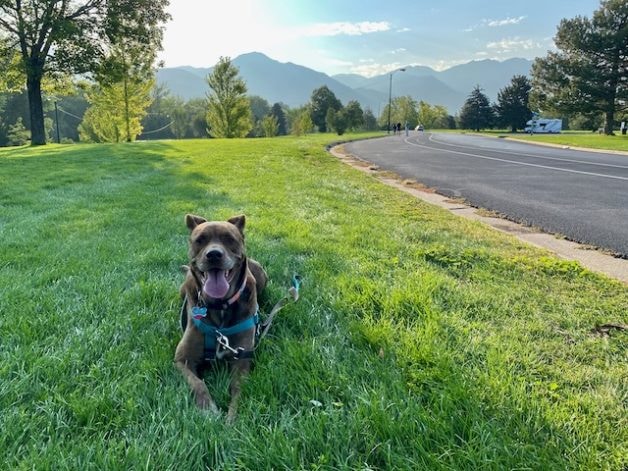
228,239
200,239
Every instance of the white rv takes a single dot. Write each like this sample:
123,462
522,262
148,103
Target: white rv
544,126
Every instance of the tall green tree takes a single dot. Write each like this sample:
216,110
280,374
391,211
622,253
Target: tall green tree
512,108
282,124
228,108
321,101
369,120
588,72
476,113
270,125
116,111
337,120
72,36
300,120
432,116
129,68
354,115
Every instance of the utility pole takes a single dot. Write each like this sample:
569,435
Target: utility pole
57,121
390,94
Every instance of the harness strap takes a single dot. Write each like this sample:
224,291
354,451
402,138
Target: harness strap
211,333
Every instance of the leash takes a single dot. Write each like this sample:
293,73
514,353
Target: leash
217,339
292,295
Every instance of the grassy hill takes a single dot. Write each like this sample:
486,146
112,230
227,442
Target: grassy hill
421,341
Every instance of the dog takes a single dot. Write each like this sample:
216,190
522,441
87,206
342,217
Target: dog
219,315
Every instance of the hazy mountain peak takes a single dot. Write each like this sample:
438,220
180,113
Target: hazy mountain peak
293,84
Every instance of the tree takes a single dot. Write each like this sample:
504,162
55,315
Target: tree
403,109
322,100
432,116
259,110
229,110
129,67
18,135
512,108
196,109
337,120
113,118
270,125
354,115
301,120
588,72
369,120
278,112
476,112
72,36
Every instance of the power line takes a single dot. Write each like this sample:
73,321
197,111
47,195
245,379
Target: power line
70,114
143,133
157,130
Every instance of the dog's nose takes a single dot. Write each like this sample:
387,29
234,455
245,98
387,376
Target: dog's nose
214,254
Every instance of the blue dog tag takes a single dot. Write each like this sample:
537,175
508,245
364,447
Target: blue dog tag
199,312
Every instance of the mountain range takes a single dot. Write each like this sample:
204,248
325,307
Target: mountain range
293,84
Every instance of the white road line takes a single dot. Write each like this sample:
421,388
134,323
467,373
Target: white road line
531,155
407,141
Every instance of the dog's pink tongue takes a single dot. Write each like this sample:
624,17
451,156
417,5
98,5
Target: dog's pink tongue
216,286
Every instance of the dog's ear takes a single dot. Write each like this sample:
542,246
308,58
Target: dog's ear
238,221
192,221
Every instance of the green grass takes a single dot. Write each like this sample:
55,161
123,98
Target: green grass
421,341
582,139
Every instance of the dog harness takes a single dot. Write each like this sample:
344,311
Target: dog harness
216,339
215,336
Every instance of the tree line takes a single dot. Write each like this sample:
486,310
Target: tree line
111,47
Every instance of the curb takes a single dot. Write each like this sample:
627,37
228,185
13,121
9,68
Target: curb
589,257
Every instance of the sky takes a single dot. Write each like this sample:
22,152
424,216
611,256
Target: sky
364,37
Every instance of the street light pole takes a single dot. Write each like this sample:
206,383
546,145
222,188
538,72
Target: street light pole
390,94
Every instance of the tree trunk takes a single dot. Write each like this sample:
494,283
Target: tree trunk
36,109
126,110
608,125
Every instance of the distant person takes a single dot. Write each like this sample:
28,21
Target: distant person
623,127
399,128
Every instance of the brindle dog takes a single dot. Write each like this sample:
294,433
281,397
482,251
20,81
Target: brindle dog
223,285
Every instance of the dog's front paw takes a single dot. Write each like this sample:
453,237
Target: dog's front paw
231,417
205,402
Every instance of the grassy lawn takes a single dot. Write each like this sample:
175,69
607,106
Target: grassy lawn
569,138
421,340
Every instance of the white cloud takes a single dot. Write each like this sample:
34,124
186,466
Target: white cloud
398,51
403,30
506,21
369,68
344,28
495,23
512,44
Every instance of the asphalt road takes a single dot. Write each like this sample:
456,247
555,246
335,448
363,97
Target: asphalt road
581,195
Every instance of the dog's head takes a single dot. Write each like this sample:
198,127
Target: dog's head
217,253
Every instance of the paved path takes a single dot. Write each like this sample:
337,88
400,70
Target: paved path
582,195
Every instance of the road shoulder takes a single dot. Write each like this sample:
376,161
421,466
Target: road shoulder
589,257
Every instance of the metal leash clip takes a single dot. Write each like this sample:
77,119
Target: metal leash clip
223,341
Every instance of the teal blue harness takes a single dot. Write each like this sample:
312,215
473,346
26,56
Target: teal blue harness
215,336
216,339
